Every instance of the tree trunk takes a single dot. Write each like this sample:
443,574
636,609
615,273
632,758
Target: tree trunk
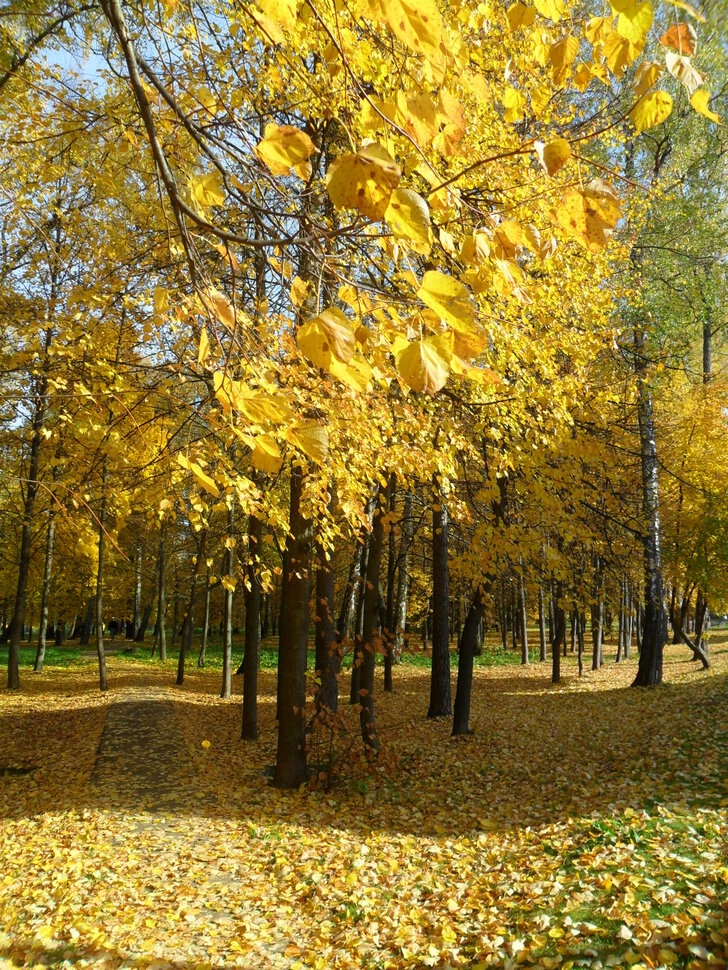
85,637
389,631
541,626
327,655
559,635
99,617
188,626
650,664
440,691
136,622
205,622
701,609
45,593
227,635
400,607
291,769
251,655
597,619
160,640
144,623
468,642
523,619
355,683
371,636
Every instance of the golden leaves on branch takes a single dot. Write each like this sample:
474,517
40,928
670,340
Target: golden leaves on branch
310,437
408,215
419,25
589,215
364,181
423,365
448,298
700,101
284,148
327,337
651,110
553,155
201,477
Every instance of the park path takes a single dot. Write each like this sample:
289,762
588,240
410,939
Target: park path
143,763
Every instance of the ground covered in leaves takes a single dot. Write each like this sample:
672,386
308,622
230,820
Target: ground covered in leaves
580,826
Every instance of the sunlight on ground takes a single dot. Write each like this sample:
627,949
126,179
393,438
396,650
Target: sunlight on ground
580,826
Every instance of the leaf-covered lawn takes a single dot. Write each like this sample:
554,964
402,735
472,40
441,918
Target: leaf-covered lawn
580,826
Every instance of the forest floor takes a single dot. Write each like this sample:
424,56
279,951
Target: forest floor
583,825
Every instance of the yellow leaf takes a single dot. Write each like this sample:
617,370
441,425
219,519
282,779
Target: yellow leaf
409,217
220,306
199,475
364,181
299,291
266,455
519,15
645,76
700,100
562,55
590,215
311,438
207,189
650,110
282,12
356,374
553,155
634,20
448,298
619,52
203,351
329,336
553,9
423,366
283,147
418,24
260,406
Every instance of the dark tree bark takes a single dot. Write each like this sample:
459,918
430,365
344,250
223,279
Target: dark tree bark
649,673
389,630
468,643
188,627
88,622
559,634
327,655
227,635
291,769
143,624
523,619
251,654
371,637
440,690
99,606
160,639
355,683
541,626
400,608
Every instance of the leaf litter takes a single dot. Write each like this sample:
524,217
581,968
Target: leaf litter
583,825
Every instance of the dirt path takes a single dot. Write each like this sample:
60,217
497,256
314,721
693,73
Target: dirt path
143,758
